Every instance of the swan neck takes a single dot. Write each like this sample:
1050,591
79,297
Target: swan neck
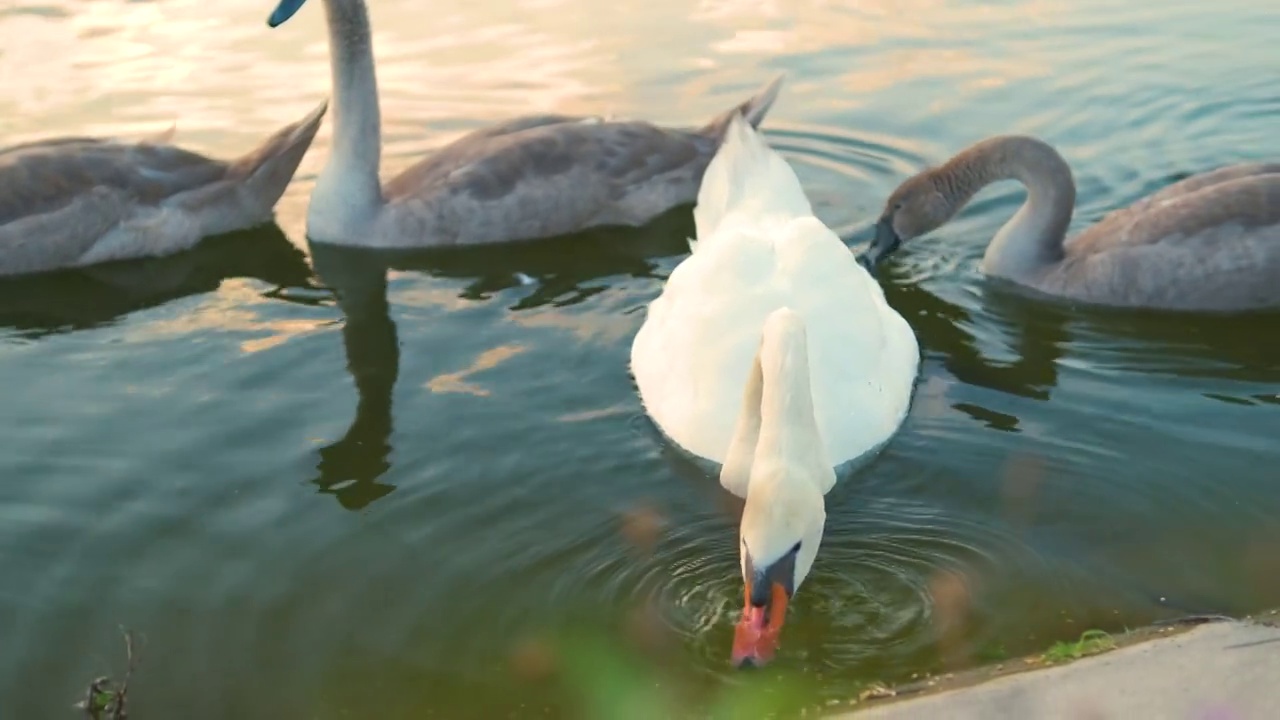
1031,241
357,121
789,435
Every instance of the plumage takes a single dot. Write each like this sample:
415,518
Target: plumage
760,248
772,351
1210,242
524,179
72,202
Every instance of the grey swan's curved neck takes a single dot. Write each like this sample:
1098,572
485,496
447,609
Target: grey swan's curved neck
353,165
1032,240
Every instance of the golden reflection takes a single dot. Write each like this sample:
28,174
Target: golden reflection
439,295
283,331
456,382
770,27
233,309
737,10
119,67
594,327
128,70
981,70
470,65
597,414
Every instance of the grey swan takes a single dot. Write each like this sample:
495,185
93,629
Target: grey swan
1210,242
79,201
527,178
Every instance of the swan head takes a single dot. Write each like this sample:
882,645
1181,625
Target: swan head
778,542
284,11
916,208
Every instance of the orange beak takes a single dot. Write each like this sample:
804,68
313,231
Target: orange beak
755,639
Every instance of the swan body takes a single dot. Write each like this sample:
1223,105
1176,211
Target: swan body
1210,242
759,248
79,201
529,178
771,351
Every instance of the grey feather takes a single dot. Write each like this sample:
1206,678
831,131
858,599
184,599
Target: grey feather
71,202
1210,242
527,178
544,176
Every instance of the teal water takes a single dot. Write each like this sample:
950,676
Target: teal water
329,484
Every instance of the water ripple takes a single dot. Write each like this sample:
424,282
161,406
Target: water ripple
313,508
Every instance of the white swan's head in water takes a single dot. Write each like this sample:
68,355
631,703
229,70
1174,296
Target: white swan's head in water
779,539
777,450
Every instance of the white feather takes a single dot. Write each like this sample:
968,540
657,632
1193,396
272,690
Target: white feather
760,248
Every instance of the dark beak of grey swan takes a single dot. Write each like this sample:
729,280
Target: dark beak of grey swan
284,11
886,240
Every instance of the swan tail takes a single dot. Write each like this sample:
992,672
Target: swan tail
753,109
747,176
162,138
249,188
263,173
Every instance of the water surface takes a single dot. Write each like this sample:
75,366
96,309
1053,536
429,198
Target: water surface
330,484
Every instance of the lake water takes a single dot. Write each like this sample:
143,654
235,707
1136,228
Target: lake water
433,492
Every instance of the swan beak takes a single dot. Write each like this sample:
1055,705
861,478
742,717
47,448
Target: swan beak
755,639
882,245
284,11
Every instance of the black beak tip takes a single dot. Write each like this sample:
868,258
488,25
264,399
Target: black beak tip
746,663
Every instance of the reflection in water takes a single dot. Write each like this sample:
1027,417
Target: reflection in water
952,337
349,468
88,297
1004,341
558,271
1230,347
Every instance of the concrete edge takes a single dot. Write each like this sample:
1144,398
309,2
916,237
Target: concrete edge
1030,665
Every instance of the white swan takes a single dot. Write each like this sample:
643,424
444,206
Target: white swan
772,351
524,179
1210,242
79,201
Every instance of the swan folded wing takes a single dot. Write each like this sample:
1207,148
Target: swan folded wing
1246,194
1200,249
547,180
1250,201
1216,269
61,236
476,145
44,177
520,124
1204,180
694,352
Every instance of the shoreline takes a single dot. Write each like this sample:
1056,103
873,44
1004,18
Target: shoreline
1136,671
